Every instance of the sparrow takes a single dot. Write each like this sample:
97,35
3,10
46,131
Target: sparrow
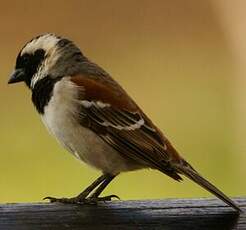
95,119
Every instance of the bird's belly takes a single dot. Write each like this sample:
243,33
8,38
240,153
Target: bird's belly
59,118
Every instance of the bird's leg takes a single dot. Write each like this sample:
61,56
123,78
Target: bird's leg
81,198
94,197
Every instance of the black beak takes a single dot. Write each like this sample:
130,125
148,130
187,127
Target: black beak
17,76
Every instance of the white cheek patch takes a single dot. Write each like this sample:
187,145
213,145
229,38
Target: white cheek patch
41,73
33,81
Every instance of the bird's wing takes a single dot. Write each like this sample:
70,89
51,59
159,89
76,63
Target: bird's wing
110,113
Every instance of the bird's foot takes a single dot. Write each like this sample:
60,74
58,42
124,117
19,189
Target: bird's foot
78,200
74,200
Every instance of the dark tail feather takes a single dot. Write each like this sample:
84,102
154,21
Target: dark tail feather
189,172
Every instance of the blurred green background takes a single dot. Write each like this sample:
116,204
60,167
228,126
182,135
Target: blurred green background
174,59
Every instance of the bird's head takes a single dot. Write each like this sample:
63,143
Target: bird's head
46,55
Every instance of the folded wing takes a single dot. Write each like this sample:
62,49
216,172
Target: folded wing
122,125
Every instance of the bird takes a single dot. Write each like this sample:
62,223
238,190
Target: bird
94,118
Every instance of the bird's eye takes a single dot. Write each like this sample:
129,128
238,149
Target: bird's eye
25,59
39,53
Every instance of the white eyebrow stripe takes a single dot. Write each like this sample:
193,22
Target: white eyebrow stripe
45,42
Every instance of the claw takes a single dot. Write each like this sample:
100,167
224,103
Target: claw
115,196
51,199
108,198
105,198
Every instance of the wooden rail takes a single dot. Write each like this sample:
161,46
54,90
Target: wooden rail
121,215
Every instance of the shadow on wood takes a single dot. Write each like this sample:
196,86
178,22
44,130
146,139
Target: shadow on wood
148,214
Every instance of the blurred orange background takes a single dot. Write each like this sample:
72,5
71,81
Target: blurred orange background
182,61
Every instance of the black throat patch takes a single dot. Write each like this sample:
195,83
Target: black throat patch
42,92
